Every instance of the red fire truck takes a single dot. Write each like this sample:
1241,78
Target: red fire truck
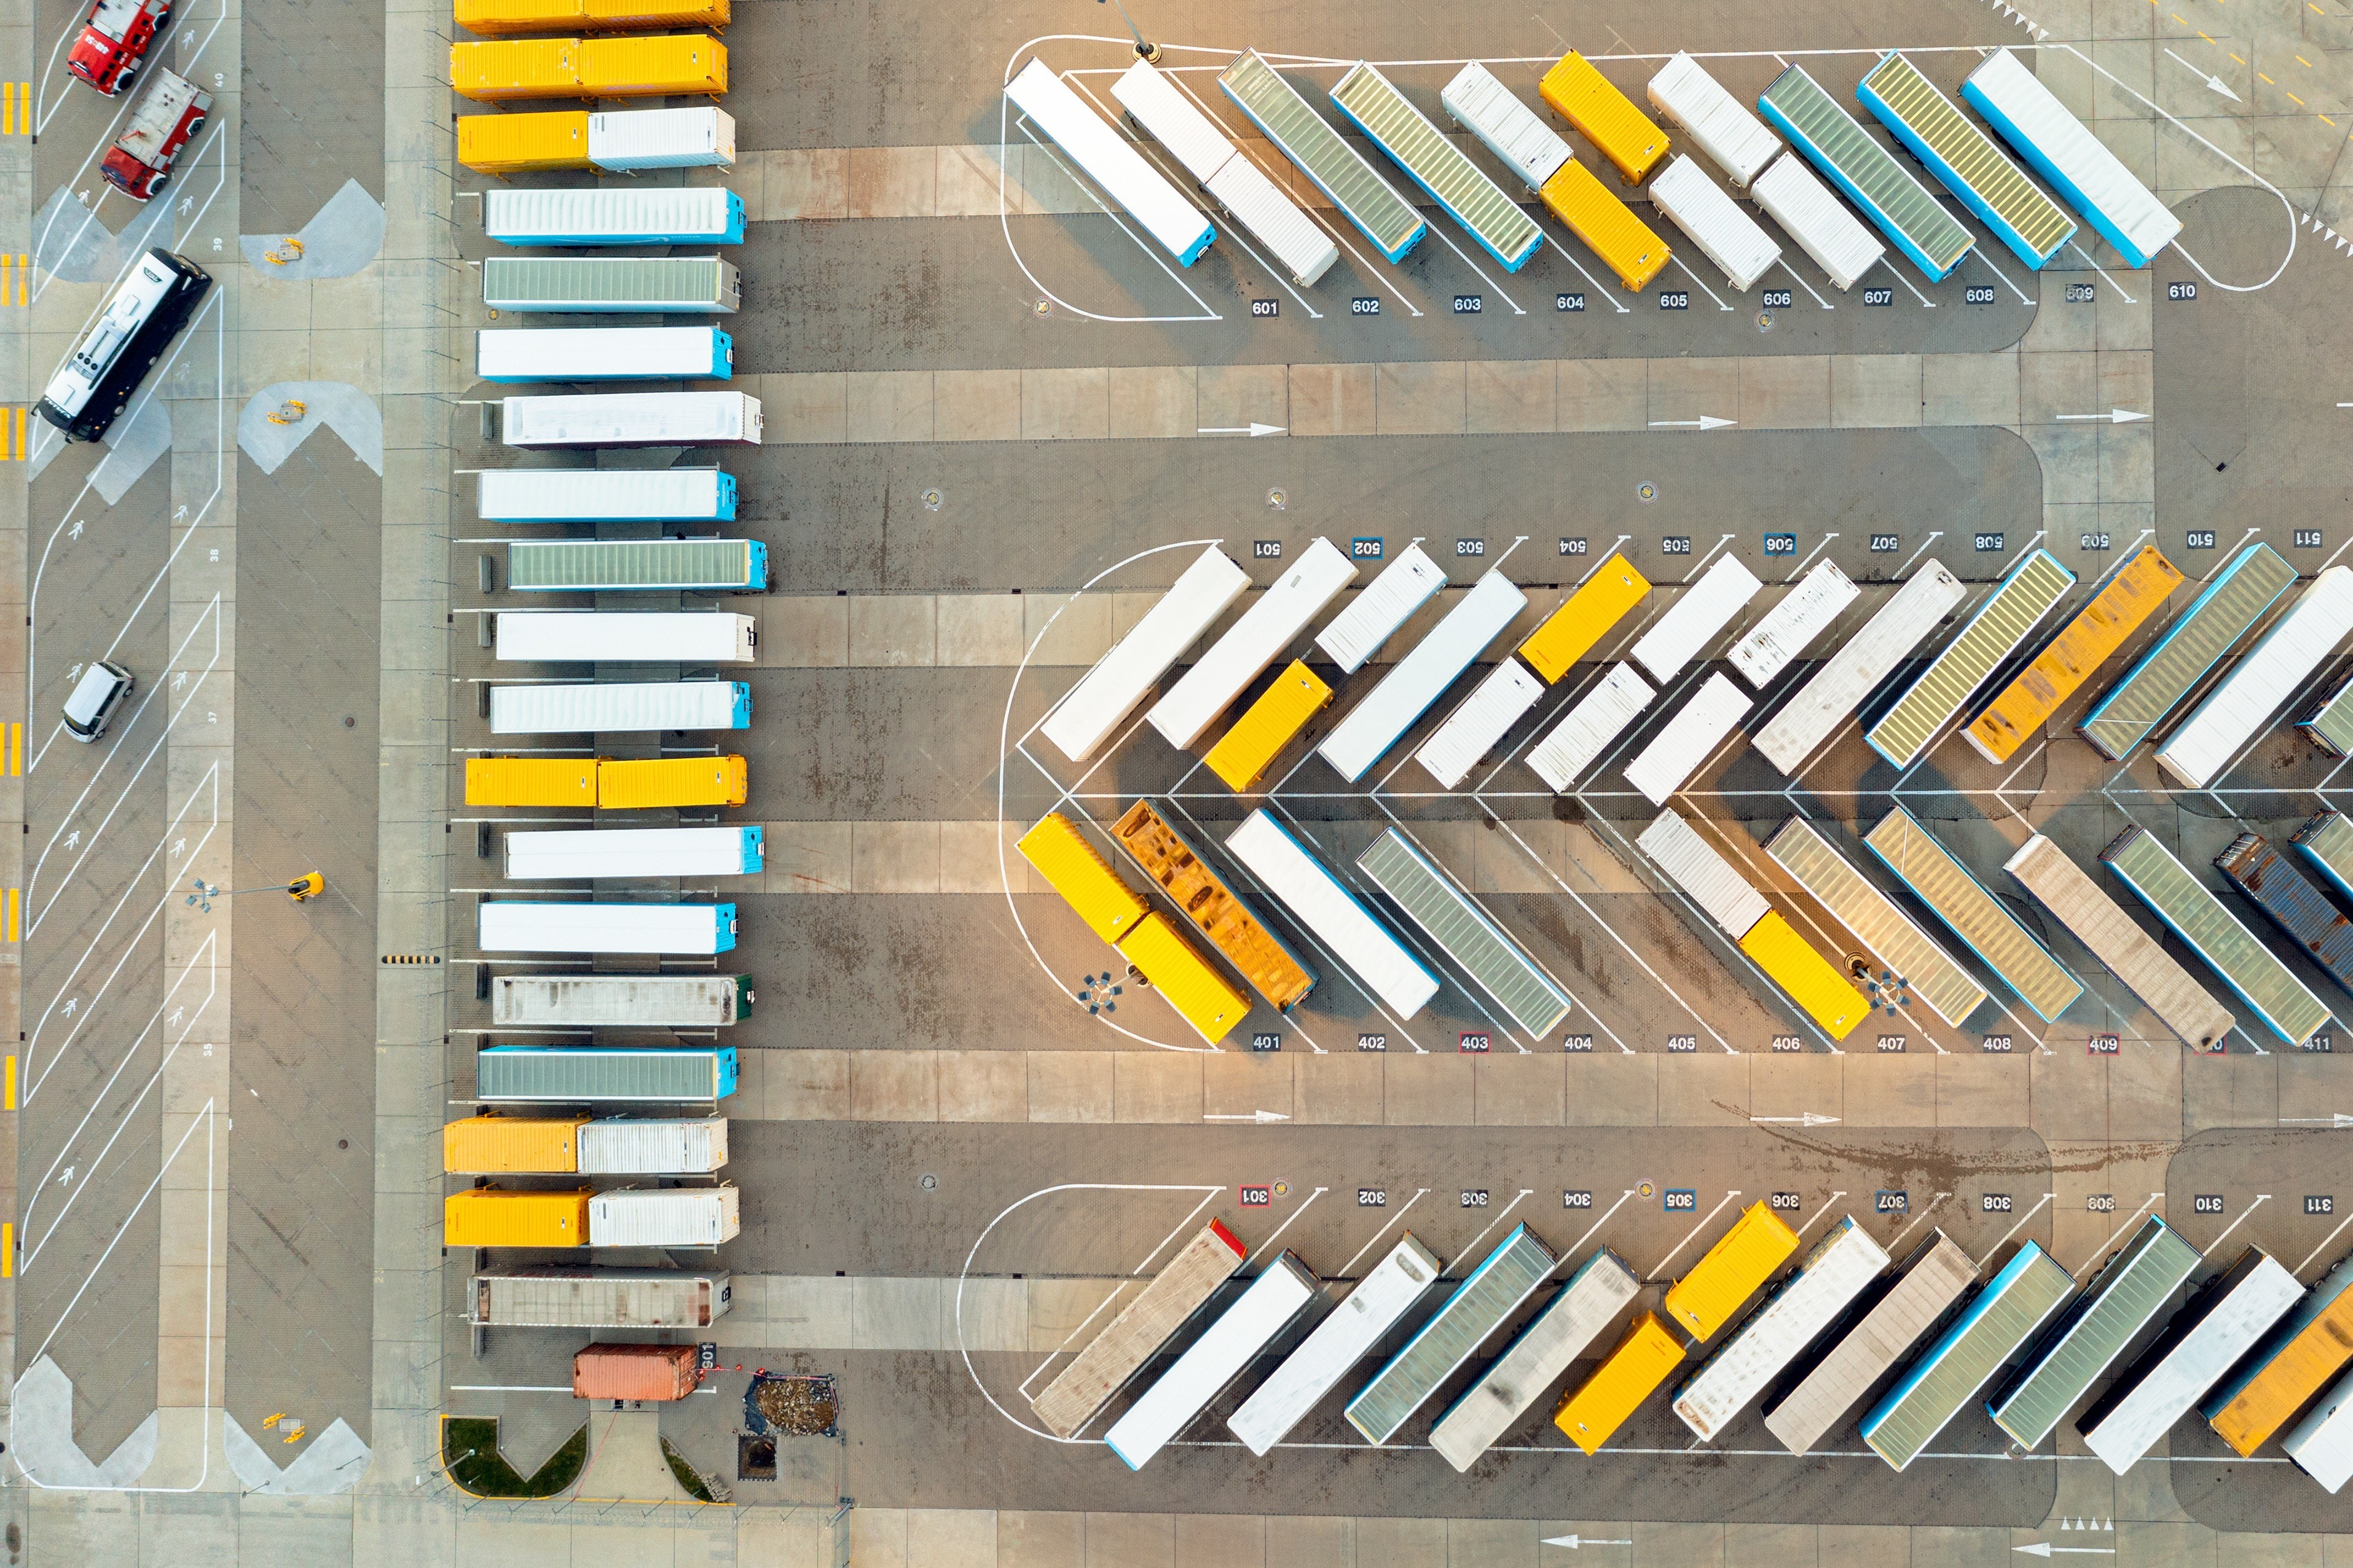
166,119
114,39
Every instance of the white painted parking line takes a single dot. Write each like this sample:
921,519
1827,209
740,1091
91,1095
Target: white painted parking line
1987,1256
2261,1199
1342,1272
1660,1273
1268,1245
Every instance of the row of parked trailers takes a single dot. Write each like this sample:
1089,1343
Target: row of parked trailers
2251,1348
1949,689
1820,132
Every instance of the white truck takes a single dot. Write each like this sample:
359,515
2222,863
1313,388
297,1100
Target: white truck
640,636
632,419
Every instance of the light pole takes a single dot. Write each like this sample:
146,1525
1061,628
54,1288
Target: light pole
307,885
1144,50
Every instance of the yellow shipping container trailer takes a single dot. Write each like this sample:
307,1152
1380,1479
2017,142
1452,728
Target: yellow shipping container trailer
2137,591
1603,116
1192,985
1704,1300
490,1216
522,143
1809,979
657,12
504,69
531,781
2298,1370
1606,226
673,781
482,1145
1244,752
653,68
1073,869
1584,619
1617,1387
497,18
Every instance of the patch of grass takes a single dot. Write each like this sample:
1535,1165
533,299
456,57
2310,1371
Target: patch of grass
688,1476
469,1450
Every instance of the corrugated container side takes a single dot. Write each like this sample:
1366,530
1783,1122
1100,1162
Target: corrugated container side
490,1145
1693,864
491,1217
1729,1272
1811,981
531,781
1265,209
1476,727
653,68
506,70
2322,1443
1172,119
1603,116
1717,123
672,782
1356,633
630,138
671,1000
1608,228
523,144
665,1216
1741,250
557,1296
1600,716
495,18
622,1147
659,13
1244,752
635,1372
1584,619
1505,125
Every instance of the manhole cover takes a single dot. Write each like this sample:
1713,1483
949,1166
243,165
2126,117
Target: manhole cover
1280,1188
1277,498
1042,309
1647,1190
1646,492
1763,321
928,1182
933,499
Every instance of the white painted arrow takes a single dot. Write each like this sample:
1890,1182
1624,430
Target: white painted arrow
2339,1121
2044,1548
1810,1119
1252,428
2113,416
1704,422
1574,1541
1258,1116
2212,81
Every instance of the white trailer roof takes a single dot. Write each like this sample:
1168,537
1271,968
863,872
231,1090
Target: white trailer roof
1265,630
1861,662
1600,716
684,637
1422,677
1692,863
1336,1344
1382,964
1473,729
589,707
1688,739
1504,125
1783,632
1833,1275
1108,693
631,419
633,852
2246,700
1729,237
1809,214
1702,610
1719,124
1212,1361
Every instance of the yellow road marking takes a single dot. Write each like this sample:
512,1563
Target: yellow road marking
2267,78
2299,102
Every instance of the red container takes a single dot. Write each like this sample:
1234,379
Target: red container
635,1372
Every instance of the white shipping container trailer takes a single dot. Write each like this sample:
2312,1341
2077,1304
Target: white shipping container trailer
1719,124
1472,731
1253,642
1861,662
632,419
1108,693
1702,611
647,1001
2243,705
677,214
1841,1265
570,1296
665,1216
2322,1443
1357,632
1793,197
642,636
1689,739
1692,863
622,1147
604,353
1110,161
1804,613
1178,123
1593,1299
601,708
686,929
1422,677
2223,1322
1504,125
2064,151
606,495
1225,1348
627,140
634,852
1600,716
1337,918
1345,1336
1735,242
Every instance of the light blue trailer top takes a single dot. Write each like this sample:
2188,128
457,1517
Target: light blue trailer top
2064,151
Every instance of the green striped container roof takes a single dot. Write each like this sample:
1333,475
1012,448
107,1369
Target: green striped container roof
592,563
1940,882
2042,223
2125,1298
1308,140
1870,166
2193,645
2000,626
1441,166
1508,975
1932,974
